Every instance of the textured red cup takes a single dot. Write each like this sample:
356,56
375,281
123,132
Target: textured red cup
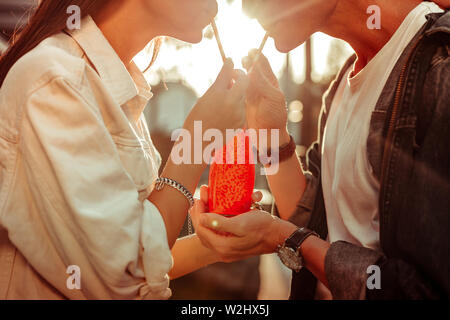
232,178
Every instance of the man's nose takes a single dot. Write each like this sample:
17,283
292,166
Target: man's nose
250,7
257,9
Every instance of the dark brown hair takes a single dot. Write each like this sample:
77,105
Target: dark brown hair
49,18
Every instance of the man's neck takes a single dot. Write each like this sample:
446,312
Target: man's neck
349,22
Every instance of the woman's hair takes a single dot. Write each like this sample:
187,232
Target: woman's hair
50,17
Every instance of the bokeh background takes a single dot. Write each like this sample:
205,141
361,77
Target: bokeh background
181,74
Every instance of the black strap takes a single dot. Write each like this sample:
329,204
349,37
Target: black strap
304,283
298,237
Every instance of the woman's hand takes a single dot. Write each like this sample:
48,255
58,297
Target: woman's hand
223,105
253,233
266,104
221,108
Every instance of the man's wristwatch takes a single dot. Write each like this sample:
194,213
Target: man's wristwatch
289,252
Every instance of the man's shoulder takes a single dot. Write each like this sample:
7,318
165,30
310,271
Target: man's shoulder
436,41
441,23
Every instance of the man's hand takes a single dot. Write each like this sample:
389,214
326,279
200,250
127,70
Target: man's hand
252,233
266,104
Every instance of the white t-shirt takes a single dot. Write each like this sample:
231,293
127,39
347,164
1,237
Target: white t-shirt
350,189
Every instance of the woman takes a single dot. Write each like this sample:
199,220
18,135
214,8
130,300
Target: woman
77,165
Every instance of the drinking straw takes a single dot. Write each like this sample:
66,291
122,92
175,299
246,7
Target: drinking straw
219,43
259,52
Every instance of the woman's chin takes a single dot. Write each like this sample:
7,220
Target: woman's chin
193,37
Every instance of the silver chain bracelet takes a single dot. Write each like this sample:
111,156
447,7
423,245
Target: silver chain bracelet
161,182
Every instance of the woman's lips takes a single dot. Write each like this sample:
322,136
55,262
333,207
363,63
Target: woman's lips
205,17
212,9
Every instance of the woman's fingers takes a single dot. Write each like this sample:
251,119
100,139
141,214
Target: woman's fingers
226,75
196,211
221,224
257,196
204,194
249,232
240,86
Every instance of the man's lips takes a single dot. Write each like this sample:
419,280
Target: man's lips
270,29
269,21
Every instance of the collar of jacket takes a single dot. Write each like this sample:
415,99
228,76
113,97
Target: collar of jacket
441,25
123,84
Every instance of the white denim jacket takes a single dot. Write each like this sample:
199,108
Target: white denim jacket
76,167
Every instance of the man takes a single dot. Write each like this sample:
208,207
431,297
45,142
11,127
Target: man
378,178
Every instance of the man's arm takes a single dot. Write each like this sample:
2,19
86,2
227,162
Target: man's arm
287,186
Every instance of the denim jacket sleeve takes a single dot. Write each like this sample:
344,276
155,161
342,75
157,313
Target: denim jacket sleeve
418,268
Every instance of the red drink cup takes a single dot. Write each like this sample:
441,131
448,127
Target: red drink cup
232,178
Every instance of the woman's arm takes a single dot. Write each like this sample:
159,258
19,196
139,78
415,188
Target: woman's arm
220,108
189,255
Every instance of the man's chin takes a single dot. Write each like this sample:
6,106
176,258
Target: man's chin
285,46
285,43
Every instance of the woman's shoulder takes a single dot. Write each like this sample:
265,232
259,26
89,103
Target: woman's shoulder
55,57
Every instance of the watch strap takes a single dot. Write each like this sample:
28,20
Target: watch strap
298,237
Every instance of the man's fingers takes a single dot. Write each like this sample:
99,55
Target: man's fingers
263,81
229,247
247,63
265,88
257,196
263,64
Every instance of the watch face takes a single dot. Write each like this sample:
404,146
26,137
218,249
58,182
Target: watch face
290,258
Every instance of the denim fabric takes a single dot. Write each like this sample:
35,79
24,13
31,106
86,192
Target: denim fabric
415,187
